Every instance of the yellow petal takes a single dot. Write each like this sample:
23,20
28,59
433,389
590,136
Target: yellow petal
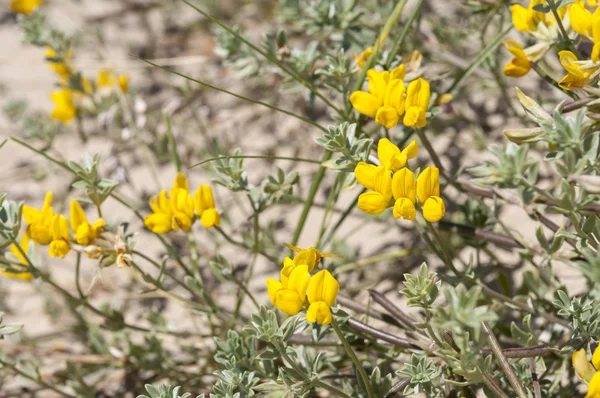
203,199
569,61
31,215
181,221
298,280
58,248
372,203
319,312
582,366
517,67
519,18
323,287
428,183
64,108
365,103
596,358
594,386
403,185
581,19
387,117
210,218
272,287
83,234
398,73
389,155
434,209
404,208
378,83
77,215
124,83
288,301
394,96
158,223
39,233
181,182
373,177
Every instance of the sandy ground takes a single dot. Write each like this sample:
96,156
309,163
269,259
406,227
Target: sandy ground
23,75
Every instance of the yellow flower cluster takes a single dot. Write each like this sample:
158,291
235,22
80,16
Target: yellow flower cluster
540,25
296,286
587,25
588,371
393,184
388,99
24,6
65,108
48,228
175,211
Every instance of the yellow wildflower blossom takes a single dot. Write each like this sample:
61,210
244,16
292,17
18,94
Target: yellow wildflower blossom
289,294
588,371
529,20
24,6
361,59
204,202
428,192
311,257
182,206
85,233
385,100
39,221
123,82
587,24
579,73
159,221
417,102
520,65
107,79
379,180
59,246
62,69
24,245
391,157
64,109
405,194
322,292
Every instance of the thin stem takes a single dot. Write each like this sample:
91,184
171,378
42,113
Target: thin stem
273,107
35,380
310,198
563,32
446,256
504,364
77,281
398,43
359,367
290,72
491,384
431,151
295,159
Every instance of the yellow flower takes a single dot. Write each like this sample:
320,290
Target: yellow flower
417,102
322,292
579,73
64,109
85,233
379,180
405,194
586,24
528,19
24,6
289,294
59,247
385,100
26,276
39,222
391,157
159,221
520,65
587,372
182,206
107,79
204,203
61,68
361,59
428,192
311,257
123,81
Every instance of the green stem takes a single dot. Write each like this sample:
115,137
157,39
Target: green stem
310,198
359,367
255,157
436,160
504,364
446,256
342,218
77,281
398,43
